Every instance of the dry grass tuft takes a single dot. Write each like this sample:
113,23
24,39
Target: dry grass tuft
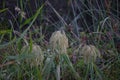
37,53
90,53
59,42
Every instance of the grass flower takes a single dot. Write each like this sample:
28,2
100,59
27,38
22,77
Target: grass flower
37,54
22,13
59,42
90,53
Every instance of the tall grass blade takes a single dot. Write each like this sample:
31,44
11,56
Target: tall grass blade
35,17
67,60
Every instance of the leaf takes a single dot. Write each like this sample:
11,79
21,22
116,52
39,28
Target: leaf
27,21
5,31
3,10
31,44
67,60
35,17
49,64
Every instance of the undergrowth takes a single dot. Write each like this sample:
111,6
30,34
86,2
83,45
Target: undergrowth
82,44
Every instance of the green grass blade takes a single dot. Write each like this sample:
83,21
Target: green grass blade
67,60
3,10
35,17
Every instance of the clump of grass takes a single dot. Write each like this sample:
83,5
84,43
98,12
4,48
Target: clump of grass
59,45
88,56
58,57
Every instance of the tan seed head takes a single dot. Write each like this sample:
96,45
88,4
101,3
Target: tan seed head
37,53
90,53
59,42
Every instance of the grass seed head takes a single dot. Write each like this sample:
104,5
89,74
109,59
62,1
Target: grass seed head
37,55
22,13
59,42
90,53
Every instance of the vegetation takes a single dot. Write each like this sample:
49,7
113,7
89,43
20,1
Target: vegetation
81,41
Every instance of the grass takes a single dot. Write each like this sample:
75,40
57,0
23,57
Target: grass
91,24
